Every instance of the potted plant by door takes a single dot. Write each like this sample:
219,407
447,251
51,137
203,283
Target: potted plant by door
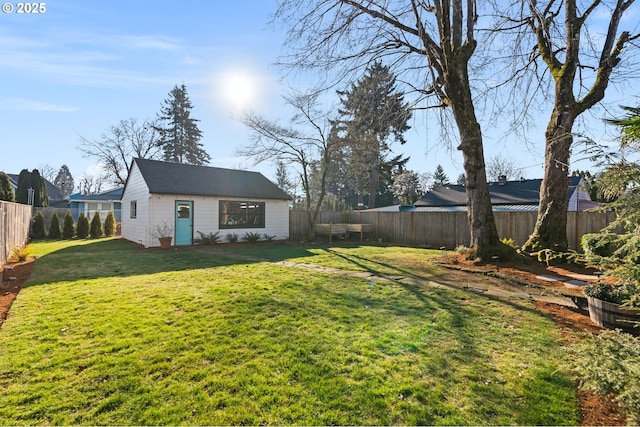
607,308
164,233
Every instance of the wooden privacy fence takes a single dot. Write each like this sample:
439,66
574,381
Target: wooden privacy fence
448,229
15,220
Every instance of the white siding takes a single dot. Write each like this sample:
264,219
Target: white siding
277,221
579,197
156,209
161,210
206,216
136,229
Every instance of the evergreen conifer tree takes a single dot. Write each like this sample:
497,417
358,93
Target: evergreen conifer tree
439,177
109,225
82,227
38,231
54,227
64,181
96,226
40,197
179,133
373,114
68,227
24,184
6,192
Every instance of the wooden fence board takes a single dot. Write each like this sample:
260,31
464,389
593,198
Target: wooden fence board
15,220
448,229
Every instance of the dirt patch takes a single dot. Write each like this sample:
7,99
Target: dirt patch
13,277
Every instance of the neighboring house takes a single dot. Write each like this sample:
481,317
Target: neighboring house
103,203
520,195
193,199
56,199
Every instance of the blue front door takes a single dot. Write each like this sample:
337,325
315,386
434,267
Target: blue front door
184,223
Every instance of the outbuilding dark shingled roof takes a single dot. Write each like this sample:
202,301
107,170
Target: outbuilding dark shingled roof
522,192
177,178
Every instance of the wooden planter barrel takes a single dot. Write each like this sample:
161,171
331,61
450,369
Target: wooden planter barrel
613,316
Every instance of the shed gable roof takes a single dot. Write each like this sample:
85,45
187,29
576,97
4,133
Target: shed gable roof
523,192
178,178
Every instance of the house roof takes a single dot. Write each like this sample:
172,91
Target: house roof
178,178
109,195
496,208
522,192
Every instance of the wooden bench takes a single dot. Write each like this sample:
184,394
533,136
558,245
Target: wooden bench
360,228
330,230
342,230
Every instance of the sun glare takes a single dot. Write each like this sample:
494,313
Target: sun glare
239,89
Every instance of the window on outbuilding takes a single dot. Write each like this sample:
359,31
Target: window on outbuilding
133,209
241,214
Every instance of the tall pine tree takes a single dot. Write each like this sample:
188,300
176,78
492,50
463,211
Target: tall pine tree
373,115
64,181
179,133
440,177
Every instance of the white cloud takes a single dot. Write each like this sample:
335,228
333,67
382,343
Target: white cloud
151,42
23,104
69,57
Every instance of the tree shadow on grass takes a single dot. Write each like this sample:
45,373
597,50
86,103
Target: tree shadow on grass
449,336
340,308
364,263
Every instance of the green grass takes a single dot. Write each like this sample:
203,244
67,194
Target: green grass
106,333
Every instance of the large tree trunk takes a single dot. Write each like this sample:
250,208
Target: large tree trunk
550,231
482,225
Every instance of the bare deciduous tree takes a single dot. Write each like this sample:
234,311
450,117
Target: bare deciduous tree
91,184
430,43
307,145
498,166
47,171
572,47
120,144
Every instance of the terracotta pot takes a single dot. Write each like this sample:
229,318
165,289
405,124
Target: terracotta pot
165,242
613,316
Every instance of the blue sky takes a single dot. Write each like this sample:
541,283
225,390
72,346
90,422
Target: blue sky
83,66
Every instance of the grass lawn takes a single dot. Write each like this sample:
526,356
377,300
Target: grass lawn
106,333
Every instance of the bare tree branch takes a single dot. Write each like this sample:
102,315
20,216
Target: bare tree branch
120,144
306,144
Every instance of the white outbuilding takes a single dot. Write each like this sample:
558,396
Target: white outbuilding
181,200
